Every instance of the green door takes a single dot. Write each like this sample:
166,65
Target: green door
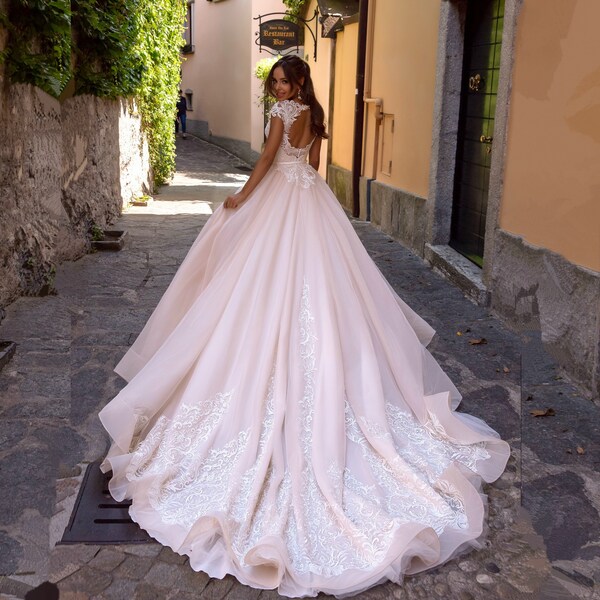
481,67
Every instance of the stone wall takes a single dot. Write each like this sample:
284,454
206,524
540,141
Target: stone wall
63,167
399,214
537,289
340,181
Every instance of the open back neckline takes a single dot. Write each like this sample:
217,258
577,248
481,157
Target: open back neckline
301,107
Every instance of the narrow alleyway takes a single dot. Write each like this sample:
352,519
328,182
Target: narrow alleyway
544,532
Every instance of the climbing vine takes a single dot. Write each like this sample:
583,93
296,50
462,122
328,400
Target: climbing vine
162,25
108,48
107,59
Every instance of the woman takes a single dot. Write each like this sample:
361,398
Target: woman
283,421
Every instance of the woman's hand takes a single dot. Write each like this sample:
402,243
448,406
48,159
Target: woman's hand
234,201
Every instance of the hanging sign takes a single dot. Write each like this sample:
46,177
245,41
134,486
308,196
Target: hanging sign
278,34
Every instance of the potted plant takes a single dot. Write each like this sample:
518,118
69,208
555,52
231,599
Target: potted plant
107,239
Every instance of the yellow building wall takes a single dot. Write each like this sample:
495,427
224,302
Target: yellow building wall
404,46
320,72
342,132
552,172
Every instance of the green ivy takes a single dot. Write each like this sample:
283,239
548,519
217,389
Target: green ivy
108,62
39,48
162,25
121,48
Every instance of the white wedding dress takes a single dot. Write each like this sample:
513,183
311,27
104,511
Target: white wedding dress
283,421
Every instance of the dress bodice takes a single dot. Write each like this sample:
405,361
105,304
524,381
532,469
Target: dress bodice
289,160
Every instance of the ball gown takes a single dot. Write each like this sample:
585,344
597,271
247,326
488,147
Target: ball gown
283,420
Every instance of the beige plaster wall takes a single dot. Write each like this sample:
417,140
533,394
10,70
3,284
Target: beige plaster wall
218,71
259,7
342,133
552,180
404,49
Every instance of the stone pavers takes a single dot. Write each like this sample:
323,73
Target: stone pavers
543,527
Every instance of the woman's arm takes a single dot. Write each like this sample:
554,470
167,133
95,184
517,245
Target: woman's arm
314,154
262,165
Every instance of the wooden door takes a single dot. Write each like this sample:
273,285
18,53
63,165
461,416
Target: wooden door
481,68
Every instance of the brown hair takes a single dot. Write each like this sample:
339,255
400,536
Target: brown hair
295,69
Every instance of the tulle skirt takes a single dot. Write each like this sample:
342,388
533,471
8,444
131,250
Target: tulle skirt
284,421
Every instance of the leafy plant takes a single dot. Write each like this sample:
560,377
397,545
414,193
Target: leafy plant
39,48
294,6
261,71
108,63
97,233
121,48
159,46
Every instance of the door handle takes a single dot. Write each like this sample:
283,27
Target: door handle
486,139
476,82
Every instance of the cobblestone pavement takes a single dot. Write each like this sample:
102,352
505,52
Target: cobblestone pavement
544,532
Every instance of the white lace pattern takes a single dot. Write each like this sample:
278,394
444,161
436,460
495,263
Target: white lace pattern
347,522
291,161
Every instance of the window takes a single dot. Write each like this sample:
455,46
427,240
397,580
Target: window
189,94
188,32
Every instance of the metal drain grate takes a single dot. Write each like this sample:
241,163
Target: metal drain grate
99,519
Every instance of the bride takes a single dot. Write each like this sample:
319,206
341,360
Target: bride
283,420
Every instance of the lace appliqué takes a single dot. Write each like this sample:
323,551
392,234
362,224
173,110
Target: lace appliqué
431,444
170,442
287,111
187,481
297,172
405,494
291,161
325,537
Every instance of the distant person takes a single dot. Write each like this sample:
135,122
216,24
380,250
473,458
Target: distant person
181,115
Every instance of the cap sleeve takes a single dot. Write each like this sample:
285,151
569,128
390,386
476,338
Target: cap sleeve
287,111
278,111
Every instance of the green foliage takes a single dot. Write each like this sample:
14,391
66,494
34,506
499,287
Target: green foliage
261,71
159,46
263,67
122,48
294,6
39,49
97,232
108,62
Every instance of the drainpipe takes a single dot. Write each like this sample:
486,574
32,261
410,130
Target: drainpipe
368,99
378,120
359,105
367,91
